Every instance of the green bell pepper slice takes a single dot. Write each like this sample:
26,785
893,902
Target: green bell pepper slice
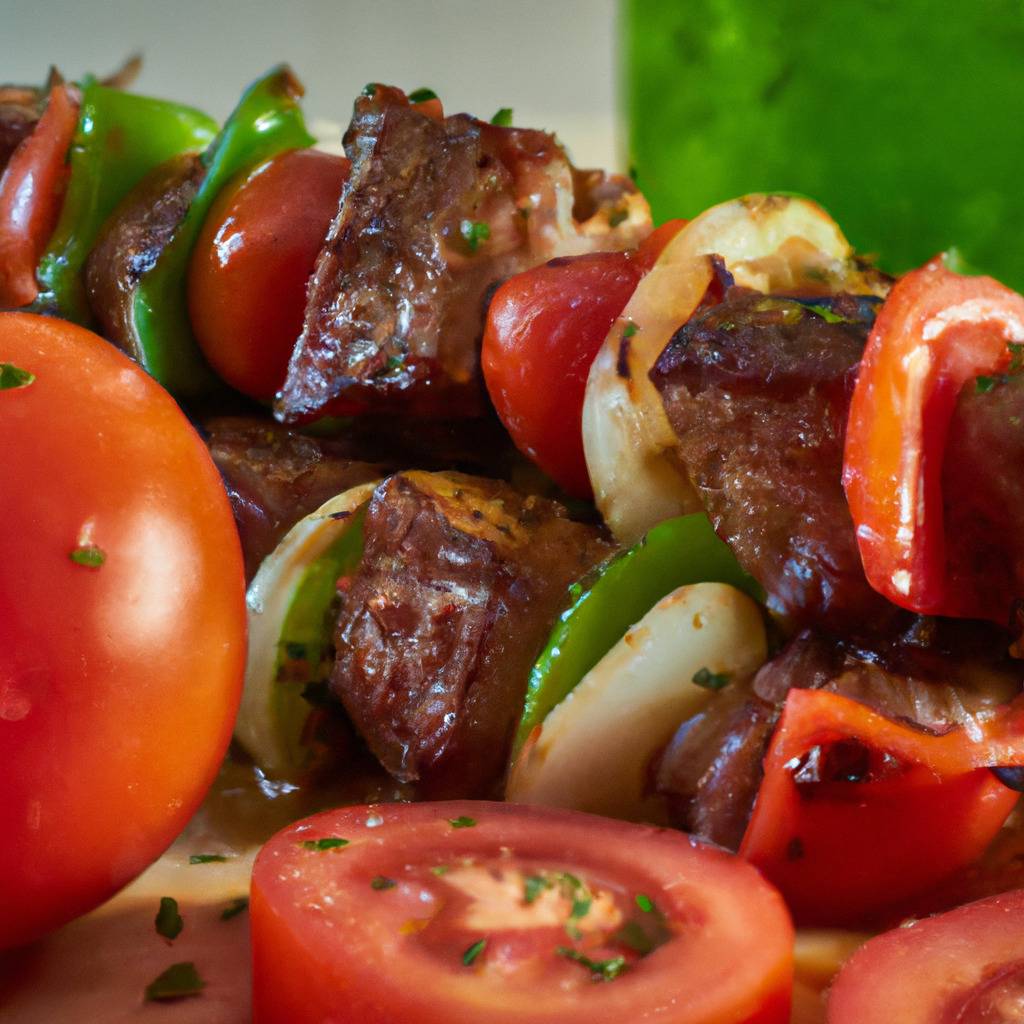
267,121
606,604
120,138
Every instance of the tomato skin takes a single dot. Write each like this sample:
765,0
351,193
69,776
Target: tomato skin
248,273
31,194
544,327
936,970
118,683
868,834
357,957
935,333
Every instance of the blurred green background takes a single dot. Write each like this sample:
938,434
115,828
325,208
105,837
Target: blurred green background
905,119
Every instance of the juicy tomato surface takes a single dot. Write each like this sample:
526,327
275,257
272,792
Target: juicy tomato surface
248,273
544,327
849,801
122,622
31,193
962,967
472,911
937,332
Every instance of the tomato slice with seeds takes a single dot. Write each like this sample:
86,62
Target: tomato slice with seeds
962,967
473,911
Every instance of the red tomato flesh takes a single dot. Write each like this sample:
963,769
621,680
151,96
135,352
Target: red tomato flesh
936,333
122,623
31,195
248,274
842,850
962,967
522,914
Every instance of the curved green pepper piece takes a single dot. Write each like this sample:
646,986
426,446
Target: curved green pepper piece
266,122
120,138
675,553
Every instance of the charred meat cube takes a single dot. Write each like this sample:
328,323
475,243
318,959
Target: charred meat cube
435,212
757,390
460,583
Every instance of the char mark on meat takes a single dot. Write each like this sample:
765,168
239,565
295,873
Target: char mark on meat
460,582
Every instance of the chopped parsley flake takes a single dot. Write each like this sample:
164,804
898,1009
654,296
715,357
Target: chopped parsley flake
1016,356
422,95
462,822
600,970
327,843
710,680
644,903
440,869
503,118
237,906
828,315
629,330
473,952
88,555
177,982
370,89
13,377
474,232
581,906
207,858
168,921
533,886
380,882
983,385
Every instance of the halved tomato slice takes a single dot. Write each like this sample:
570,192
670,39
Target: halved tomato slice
963,967
472,911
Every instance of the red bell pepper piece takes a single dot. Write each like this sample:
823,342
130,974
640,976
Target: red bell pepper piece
937,332
31,195
857,812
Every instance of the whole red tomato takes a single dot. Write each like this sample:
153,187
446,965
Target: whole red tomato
257,250
122,622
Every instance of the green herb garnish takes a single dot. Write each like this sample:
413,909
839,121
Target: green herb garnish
533,886
327,843
13,377
177,982
168,921
380,882
462,822
629,330
237,906
440,869
710,680
600,970
644,903
983,385
1016,356
207,858
422,95
473,952
474,232
88,555
503,118
828,315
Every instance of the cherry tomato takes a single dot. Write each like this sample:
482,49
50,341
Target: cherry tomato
31,194
468,912
850,800
962,967
122,622
248,274
936,332
544,328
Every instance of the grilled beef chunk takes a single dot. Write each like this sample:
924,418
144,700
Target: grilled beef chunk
434,212
132,240
938,674
757,391
458,587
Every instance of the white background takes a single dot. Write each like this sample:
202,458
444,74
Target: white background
552,61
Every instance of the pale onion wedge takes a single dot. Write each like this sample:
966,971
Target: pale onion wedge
593,751
273,710
768,242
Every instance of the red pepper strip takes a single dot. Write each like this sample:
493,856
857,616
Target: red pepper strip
841,851
936,332
31,194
